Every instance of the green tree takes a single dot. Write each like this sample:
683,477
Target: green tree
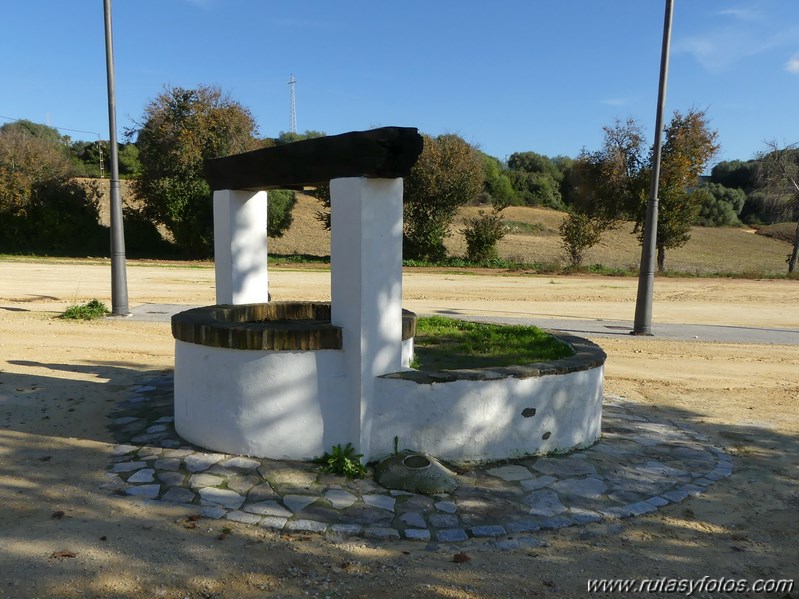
179,130
448,173
279,206
688,146
42,209
536,179
497,185
720,206
779,179
578,233
483,233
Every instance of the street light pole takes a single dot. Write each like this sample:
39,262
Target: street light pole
646,274
119,279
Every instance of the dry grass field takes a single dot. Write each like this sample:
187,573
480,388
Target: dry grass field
534,238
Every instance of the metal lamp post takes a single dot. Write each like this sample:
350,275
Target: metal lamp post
646,275
119,280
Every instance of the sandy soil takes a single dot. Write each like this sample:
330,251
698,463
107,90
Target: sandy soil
58,380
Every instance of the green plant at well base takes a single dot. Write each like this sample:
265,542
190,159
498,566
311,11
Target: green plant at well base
343,461
88,311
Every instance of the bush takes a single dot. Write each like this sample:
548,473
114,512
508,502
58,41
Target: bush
719,205
482,234
578,233
279,205
60,218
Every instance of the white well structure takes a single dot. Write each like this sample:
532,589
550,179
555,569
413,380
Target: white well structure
289,380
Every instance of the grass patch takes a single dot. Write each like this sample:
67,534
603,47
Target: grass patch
88,311
448,343
523,228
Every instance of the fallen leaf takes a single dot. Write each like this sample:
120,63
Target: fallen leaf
221,536
57,515
104,538
61,554
45,458
459,558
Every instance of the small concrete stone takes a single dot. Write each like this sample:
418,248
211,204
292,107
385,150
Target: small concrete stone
243,517
451,535
167,464
275,522
128,466
241,463
306,526
488,531
205,480
414,519
523,526
165,420
201,461
177,453
345,529
657,501
676,495
214,512
340,499
148,491
122,421
555,522
262,492
590,487
178,495
297,503
583,516
444,520
267,508
384,502
243,484
538,482
616,512
157,428
545,503
145,475
417,534
143,389
511,472
123,449
223,497
640,508
381,532
448,507
148,453
171,479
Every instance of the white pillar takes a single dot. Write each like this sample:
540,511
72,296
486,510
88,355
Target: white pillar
240,247
366,288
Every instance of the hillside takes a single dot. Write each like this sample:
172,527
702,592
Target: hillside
534,238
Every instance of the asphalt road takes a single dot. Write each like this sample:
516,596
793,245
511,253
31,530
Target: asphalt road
580,327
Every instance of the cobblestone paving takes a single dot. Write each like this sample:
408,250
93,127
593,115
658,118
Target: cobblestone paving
638,466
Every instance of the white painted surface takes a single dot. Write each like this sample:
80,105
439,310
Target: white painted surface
366,287
240,253
477,421
281,405
296,405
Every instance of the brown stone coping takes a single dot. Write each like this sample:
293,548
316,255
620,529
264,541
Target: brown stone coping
280,326
587,355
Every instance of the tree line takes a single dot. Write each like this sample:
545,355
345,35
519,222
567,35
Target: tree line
41,205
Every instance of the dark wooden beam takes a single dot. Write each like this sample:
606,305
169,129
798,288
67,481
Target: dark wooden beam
388,152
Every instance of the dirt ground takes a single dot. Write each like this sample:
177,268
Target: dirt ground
58,380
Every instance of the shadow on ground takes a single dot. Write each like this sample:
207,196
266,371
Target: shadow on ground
55,449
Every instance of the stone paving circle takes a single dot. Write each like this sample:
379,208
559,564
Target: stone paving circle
638,466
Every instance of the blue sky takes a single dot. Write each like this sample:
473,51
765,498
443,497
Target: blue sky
508,76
